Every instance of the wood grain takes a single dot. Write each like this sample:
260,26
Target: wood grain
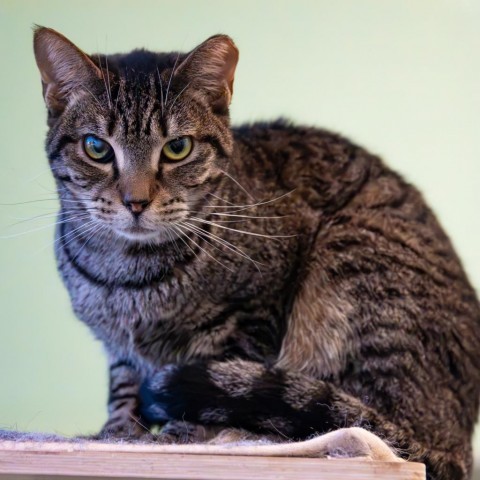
36,461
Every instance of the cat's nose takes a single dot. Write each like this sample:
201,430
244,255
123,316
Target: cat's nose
136,206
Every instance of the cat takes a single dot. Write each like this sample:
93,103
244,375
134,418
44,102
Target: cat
270,277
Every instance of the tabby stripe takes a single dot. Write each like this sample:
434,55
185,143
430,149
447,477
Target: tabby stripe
60,145
215,143
394,203
122,404
101,282
124,396
120,386
344,243
149,120
121,363
112,122
418,255
63,178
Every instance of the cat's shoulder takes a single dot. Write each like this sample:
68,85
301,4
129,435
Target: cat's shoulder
284,133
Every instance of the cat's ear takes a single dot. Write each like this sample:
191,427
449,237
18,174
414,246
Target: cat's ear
64,68
211,68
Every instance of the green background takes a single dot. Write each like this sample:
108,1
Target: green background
400,77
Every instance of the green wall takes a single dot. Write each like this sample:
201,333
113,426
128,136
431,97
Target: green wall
401,77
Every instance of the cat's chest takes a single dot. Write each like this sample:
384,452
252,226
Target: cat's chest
152,324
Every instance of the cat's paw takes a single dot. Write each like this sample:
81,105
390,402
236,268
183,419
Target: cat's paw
182,432
128,430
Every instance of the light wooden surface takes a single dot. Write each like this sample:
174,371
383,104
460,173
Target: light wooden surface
61,461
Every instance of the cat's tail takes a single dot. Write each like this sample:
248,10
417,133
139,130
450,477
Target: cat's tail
266,399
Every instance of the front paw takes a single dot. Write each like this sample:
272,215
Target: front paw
182,432
123,430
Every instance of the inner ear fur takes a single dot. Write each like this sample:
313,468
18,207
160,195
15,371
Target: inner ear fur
211,67
64,68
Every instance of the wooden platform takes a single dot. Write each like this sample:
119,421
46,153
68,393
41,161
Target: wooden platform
94,461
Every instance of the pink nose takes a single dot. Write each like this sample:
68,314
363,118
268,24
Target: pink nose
136,206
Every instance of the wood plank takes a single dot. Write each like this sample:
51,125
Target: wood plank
72,461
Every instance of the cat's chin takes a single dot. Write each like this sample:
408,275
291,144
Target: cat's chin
141,235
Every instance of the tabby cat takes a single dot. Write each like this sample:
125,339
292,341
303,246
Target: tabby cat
270,277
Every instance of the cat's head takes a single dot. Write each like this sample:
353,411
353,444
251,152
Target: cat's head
138,140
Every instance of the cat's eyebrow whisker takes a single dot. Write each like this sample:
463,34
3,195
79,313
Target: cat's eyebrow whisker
184,228
171,76
104,81
195,219
238,184
225,243
178,95
109,92
162,104
83,86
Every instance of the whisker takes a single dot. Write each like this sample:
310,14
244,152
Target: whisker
226,244
90,92
161,91
171,76
221,199
243,207
45,215
94,231
183,240
201,248
178,95
195,219
109,91
28,201
238,184
104,81
79,231
226,214
69,234
168,229
43,227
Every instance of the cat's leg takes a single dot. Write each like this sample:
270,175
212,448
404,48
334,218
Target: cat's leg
266,399
124,420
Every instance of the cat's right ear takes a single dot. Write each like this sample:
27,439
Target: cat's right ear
64,69
211,68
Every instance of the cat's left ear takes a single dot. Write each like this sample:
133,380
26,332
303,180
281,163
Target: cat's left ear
211,68
64,69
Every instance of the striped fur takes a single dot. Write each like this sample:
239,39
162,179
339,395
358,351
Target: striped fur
290,283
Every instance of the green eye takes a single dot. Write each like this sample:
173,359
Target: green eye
97,149
178,149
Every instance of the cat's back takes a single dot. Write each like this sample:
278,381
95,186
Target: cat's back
365,221
324,169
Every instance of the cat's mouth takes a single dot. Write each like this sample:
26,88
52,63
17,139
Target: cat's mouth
140,234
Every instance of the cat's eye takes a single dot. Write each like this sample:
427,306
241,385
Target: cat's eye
97,149
178,148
